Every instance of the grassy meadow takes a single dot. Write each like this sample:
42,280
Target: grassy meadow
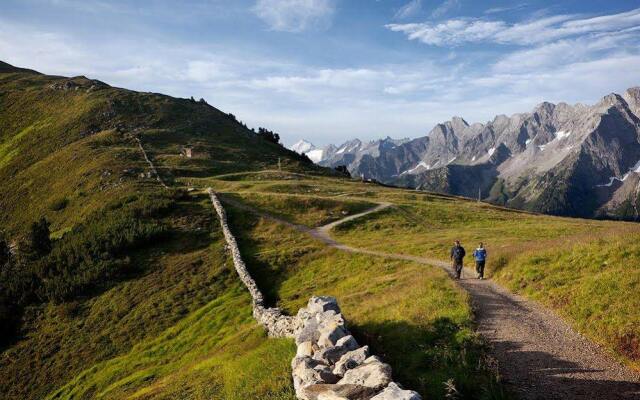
583,269
413,316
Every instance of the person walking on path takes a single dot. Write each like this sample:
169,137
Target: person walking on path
457,254
480,254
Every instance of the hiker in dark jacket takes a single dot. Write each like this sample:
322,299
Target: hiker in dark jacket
457,254
480,254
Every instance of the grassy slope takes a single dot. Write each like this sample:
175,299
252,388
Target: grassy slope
180,326
586,270
74,147
76,144
414,317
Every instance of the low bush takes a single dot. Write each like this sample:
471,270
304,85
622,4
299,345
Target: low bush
59,204
91,255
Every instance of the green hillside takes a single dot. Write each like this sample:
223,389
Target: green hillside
137,298
130,262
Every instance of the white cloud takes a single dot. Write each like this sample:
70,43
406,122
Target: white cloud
567,51
472,30
409,10
330,103
295,15
496,10
444,8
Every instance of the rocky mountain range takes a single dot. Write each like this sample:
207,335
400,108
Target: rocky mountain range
574,160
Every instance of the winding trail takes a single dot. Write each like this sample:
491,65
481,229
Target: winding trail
540,356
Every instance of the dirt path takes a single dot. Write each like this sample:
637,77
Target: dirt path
540,356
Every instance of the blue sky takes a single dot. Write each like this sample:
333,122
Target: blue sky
332,70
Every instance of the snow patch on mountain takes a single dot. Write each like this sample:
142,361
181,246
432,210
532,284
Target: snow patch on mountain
613,179
315,155
635,168
302,147
421,164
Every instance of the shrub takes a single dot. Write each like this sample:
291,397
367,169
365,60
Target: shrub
92,255
268,135
59,204
39,238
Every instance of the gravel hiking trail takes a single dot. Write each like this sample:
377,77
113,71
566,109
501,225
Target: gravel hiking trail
540,356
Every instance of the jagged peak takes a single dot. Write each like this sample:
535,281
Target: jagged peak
632,93
455,120
612,98
500,117
545,106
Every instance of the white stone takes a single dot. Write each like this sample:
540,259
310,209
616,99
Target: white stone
349,342
395,392
374,374
305,349
318,304
330,334
332,392
351,360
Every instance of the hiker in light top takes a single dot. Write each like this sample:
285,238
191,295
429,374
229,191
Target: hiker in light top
480,254
457,254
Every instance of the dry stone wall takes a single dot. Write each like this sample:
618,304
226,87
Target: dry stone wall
154,171
274,321
329,363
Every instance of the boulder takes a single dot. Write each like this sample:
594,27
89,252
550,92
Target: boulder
307,371
348,342
372,359
338,392
330,333
309,331
351,360
305,349
395,392
374,374
319,304
333,353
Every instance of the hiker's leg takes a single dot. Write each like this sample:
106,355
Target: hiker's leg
481,269
478,273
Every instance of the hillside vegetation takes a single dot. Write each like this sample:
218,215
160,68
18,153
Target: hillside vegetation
587,270
130,265
134,295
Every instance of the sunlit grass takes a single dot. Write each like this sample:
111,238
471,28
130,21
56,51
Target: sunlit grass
412,315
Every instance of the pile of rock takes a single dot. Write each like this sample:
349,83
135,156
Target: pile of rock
329,363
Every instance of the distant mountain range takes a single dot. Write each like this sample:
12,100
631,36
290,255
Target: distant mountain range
562,159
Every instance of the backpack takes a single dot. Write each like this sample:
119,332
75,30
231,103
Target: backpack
458,252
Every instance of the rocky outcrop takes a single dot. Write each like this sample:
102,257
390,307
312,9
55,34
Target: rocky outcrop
574,160
329,362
